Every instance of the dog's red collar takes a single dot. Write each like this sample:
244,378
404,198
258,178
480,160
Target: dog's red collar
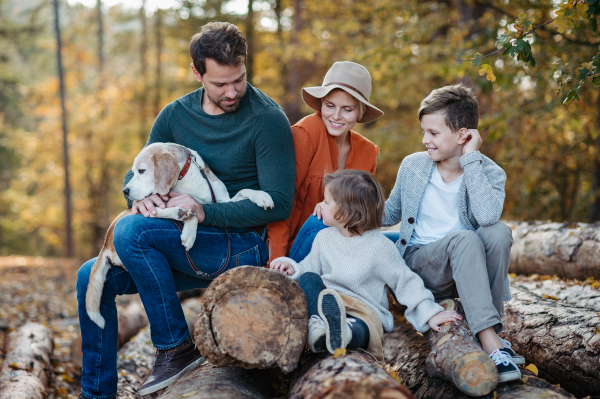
186,167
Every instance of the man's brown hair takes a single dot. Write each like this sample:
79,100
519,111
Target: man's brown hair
359,198
458,103
221,41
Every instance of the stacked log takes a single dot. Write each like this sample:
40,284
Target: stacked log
406,352
225,382
26,369
355,375
456,357
253,317
567,250
562,340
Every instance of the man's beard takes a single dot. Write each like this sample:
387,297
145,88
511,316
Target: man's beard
227,108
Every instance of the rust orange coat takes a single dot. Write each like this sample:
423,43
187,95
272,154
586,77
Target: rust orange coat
316,155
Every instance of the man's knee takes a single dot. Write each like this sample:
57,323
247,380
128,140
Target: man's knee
83,276
127,230
497,234
464,237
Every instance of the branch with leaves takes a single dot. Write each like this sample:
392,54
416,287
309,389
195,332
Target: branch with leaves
516,43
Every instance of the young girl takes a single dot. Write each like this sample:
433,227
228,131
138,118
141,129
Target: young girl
349,269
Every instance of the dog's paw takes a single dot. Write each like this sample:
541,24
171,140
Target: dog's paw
262,199
185,214
188,240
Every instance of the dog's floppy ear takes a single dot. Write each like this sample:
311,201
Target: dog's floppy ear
166,171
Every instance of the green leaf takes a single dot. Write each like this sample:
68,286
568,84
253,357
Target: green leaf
583,73
596,81
594,24
572,95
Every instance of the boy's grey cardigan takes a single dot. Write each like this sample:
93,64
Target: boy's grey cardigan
480,201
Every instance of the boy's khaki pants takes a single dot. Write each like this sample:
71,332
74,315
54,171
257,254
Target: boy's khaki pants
469,265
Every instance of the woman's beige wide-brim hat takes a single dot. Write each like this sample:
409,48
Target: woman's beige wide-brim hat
351,77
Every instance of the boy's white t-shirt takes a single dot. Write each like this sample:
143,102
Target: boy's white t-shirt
438,211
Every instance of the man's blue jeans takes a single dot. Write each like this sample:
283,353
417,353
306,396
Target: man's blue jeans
157,267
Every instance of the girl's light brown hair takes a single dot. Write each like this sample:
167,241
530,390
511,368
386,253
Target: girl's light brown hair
359,198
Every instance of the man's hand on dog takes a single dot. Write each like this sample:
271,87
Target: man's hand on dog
186,201
148,205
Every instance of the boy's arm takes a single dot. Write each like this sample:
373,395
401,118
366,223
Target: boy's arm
409,290
485,188
160,133
393,205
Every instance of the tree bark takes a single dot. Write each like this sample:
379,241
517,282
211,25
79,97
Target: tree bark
406,352
562,340
252,317
213,382
569,251
26,369
458,358
356,375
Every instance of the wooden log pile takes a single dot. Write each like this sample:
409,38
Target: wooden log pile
253,317
26,369
562,340
356,375
567,250
406,353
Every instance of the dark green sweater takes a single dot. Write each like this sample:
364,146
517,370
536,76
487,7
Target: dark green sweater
249,148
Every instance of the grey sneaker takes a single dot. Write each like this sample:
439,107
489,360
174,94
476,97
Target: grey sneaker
170,365
517,359
331,309
507,369
316,330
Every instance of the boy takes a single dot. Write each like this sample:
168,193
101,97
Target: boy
449,200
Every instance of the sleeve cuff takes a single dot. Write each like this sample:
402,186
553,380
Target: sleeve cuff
294,264
471,157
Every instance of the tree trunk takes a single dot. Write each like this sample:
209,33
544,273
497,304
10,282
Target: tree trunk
143,74
213,382
458,358
356,375
569,251
594,209
292,103
406,352
562,340
252,317
250,42
68,208
26,369
158,71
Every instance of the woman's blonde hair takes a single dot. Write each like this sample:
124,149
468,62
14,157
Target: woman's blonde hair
359,198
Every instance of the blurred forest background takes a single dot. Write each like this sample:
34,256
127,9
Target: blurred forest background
124,61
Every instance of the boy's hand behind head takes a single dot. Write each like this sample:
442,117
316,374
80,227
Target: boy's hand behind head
443,317
471,139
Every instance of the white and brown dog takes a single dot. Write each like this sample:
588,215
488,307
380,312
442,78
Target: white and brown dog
159,169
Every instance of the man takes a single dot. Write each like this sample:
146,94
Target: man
245,138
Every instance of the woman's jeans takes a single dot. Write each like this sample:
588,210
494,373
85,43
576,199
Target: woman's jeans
312,285
156,267
308,232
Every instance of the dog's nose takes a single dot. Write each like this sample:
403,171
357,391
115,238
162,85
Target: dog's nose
126,191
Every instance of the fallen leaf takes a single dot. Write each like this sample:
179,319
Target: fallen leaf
339,352
187,395
531,367
545,394
495,395
394,375
551,297
558,385
597,330
525,379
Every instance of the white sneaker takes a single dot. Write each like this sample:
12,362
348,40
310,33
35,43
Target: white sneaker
349,322
316,330
517,359
507,369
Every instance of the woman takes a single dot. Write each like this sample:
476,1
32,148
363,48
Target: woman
324,143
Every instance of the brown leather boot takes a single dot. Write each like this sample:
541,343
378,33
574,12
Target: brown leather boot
170,365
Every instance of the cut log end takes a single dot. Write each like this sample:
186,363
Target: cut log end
253,318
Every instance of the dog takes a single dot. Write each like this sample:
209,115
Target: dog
158,169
